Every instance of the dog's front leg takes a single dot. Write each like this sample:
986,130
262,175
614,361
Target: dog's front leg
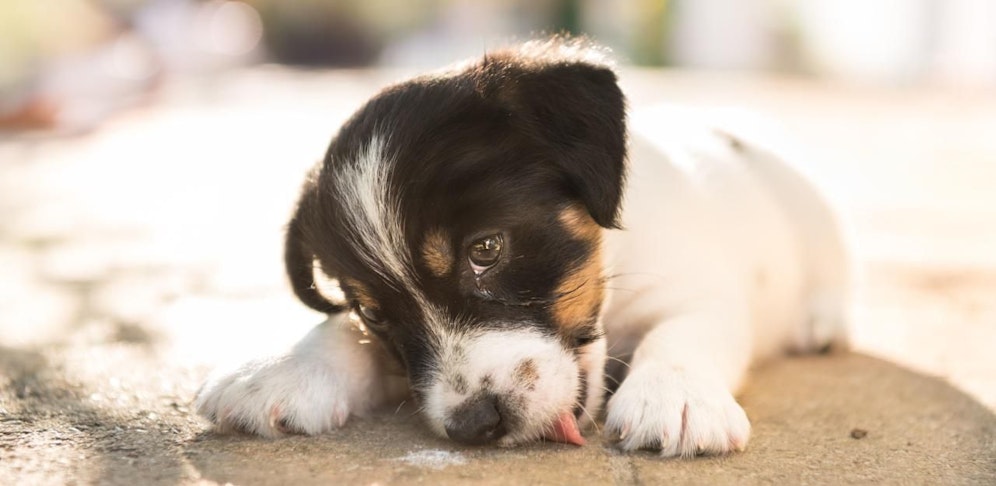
677,395
334,372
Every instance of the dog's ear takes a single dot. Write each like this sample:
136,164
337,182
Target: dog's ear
576,106
299,261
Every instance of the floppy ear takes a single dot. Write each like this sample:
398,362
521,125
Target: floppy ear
577,108
299,261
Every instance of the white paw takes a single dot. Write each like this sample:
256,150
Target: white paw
326,378
677,411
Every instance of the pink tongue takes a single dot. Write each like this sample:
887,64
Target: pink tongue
565,430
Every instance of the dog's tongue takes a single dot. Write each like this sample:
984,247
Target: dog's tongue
565,430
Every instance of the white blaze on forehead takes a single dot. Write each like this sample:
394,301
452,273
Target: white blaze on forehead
466,363
373,214
375,226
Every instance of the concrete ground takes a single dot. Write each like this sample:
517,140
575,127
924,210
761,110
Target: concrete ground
136,257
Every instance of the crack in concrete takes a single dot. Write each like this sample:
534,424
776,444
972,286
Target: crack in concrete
623,471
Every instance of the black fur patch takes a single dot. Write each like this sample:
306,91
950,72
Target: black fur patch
500,146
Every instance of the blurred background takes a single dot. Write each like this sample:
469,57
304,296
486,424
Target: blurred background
150,152
69,63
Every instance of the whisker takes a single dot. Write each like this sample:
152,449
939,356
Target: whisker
609,349
633,274
620,289
620,361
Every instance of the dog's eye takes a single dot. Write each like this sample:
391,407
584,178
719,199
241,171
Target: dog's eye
485,252
586,336
369,314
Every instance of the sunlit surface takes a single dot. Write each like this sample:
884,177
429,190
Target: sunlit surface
138,256
169,219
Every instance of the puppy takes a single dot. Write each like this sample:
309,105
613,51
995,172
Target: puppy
495,249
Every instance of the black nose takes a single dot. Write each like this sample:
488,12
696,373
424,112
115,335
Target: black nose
477,421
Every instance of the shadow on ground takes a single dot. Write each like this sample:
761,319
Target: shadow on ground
56,430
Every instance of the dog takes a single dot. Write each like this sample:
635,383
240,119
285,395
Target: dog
506,250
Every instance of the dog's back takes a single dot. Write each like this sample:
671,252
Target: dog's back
710,215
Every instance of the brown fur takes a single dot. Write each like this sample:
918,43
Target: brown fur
526,373
580,292
437,254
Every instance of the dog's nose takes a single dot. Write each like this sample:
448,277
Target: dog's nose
477,421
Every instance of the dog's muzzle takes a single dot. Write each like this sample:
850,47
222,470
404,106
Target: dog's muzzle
477,421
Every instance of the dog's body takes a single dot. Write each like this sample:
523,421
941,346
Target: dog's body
494,252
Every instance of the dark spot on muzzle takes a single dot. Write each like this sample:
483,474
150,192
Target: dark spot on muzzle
476,421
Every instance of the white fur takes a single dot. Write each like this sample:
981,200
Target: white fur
728,257
377,226
485,361
334,372
591,360
375,223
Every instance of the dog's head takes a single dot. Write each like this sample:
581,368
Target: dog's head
462,215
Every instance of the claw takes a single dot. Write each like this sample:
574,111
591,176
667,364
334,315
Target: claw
737,444
276,423
339,415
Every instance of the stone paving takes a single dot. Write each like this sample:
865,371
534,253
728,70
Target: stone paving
136,257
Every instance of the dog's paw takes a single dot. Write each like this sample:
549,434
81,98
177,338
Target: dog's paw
677,412
276,397
331,374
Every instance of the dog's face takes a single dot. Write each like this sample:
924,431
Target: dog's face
462,215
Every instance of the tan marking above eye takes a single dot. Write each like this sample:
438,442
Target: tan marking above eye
437,253
579,223
581,289
361,293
